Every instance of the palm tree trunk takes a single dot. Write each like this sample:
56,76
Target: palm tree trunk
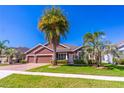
100,59
54,61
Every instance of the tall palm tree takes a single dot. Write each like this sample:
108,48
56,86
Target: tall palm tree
94,40
54,24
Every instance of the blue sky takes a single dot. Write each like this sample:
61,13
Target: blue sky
18,24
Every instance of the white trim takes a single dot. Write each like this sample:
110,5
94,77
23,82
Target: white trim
47,47
66,56
42,48
30,55
77,48
46,43
33,48
65,46
44,54
59,44
38,48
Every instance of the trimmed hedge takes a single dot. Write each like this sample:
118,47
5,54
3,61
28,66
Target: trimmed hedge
121,61
61,61
118,61
23,62
79,62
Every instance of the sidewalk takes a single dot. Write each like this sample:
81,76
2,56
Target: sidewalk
4,73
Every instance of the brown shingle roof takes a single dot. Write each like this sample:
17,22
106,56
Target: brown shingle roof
120,44
70,48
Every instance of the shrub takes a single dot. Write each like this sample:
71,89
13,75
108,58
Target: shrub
78,61
114,60
121,61
23,61
61,61
90,62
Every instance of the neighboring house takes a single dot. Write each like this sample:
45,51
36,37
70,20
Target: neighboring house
21,49
120,46
109,58
44,53
4,59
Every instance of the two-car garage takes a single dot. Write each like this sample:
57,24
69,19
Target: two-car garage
43,59
39,59
39,54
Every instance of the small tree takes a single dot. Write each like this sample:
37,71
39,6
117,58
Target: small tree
94,42
3,45
10,53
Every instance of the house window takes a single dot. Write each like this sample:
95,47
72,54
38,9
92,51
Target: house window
61,56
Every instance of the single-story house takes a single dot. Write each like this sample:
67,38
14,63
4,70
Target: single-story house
44,53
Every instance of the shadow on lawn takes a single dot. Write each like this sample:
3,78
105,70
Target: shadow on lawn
119,67
108,66
111,66
76,65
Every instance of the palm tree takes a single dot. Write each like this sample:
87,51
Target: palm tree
87,52
54,24
95,41
3,46
10,53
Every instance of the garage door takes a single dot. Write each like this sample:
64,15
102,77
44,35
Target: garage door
44,59
30,59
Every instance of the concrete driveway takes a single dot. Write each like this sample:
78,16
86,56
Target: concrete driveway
22,67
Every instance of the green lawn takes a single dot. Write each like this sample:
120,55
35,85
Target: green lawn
111,71
4,64
29,81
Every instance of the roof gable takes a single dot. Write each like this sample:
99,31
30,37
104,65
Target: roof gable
32,50
37,48
43,50
60,48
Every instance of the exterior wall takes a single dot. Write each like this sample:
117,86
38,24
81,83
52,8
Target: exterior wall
3,60
59,46
41,55
32,51
44,51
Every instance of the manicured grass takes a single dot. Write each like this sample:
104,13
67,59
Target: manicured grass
4,64
29,81
111,70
